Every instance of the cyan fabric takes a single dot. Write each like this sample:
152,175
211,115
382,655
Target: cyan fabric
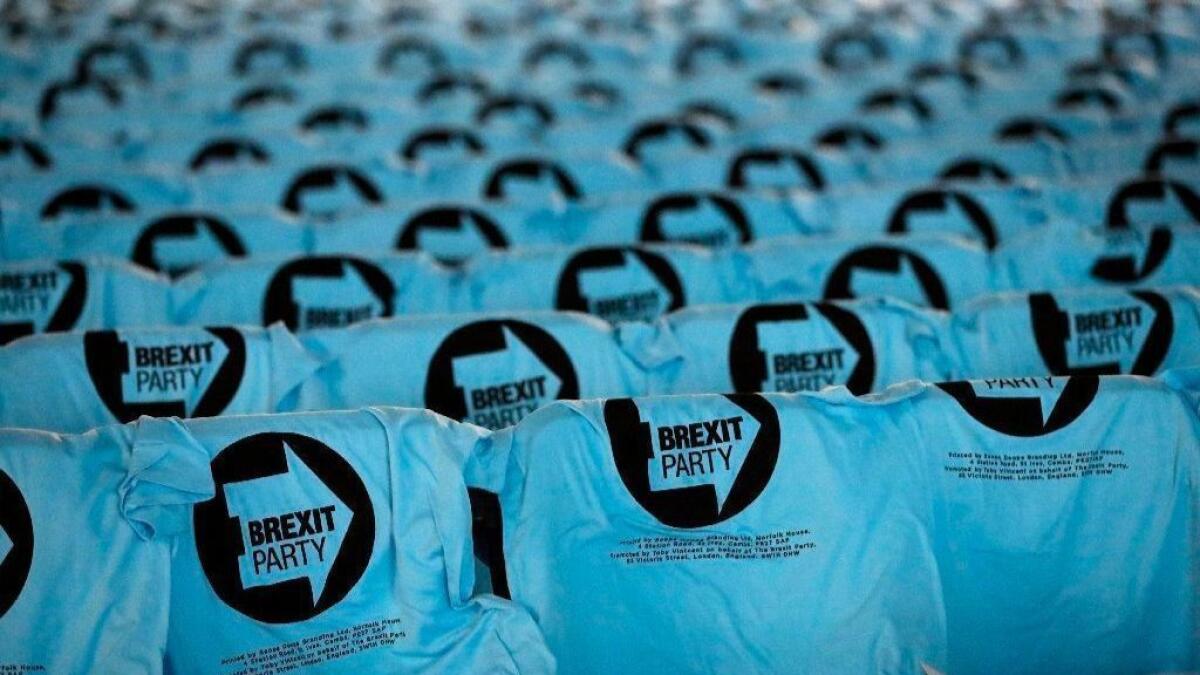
171,241
72,382
686,526
1129,257
865,345
311,292
84,577
1067,514
926,269
44,296
618,283
332,543
1105,331
490,370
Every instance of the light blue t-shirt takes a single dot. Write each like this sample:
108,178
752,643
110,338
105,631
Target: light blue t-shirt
713,534
925,269
1067,518
865,345
84,579
1105,331
620,283
311,292
333,543
87,380
1131,257
171,241
49,297
490,370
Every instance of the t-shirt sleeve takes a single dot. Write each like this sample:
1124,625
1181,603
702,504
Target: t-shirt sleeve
168,473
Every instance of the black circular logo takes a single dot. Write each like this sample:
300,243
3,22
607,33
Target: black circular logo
731,466
1152,190
290,530
531,171
758,364
494,372
903,267
619,284
721,224
168,374
1130,267
16,543
1105,333
1025,416
327,179
51,300
85,200
940,201
808,175
196,229
469,225
327,292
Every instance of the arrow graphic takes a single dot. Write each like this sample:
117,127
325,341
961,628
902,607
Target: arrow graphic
903,284
179,254
6,545
198,355
950,219
304,524
1046,390
457,244
816,335
632,278
716,464
1166,211
515,364
705,224
327,201
347,293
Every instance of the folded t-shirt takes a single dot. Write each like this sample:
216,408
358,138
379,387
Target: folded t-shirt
311,292
623,283
1070,257
926,269
49,296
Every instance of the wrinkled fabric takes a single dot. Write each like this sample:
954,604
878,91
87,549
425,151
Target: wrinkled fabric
1104,331
73,382
865,345
686,524
489,370
85,582
1066,523
334,543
